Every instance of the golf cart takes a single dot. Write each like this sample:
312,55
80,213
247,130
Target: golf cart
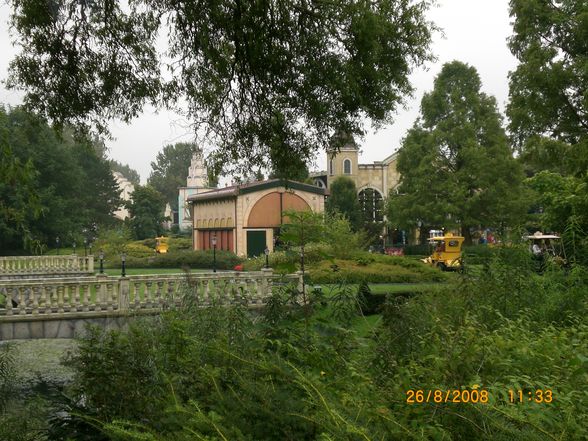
446,254
546,245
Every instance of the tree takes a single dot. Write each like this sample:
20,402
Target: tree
548,87
73,188
272,79
146,209
456,167
170,170
131,174
343,199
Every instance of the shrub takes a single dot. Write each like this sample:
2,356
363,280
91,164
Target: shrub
384,269
179,259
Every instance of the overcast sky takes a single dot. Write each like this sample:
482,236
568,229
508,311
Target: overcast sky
475,32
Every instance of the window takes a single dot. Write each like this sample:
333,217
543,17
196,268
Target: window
331,168
347,166
371,203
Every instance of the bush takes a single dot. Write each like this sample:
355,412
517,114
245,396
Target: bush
288,261
384,269
180,259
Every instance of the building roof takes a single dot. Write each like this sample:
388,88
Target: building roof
236,190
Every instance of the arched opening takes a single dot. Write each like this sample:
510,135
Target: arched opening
371,202
347,166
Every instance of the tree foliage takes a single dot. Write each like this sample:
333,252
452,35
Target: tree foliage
52,186
170,170
124,169
456,167
260,79
548,88
146,209
343,199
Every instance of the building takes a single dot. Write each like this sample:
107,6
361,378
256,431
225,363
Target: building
126,190
373,181
196,182
246,218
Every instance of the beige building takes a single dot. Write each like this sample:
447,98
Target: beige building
245,219
373,181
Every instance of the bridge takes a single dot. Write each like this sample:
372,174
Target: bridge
60,303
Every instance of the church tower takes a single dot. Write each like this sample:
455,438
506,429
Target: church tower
196,182
197,173
344,162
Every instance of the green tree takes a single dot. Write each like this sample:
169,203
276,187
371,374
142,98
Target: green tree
457,169
170,170
343,199
74,188
261,79
124,169
146,209
548,87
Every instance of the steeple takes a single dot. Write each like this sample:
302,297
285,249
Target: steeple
197,173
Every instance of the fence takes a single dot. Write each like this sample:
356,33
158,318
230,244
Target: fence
27,266
102,294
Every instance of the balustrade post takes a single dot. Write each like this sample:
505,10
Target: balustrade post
123,294
266,287
300,275
91,264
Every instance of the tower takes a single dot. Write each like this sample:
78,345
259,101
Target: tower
343,162
197,173
196,182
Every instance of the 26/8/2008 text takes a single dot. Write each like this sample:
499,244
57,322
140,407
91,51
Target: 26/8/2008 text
419,396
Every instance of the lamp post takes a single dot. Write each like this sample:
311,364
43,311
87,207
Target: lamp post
90,248
101,255
57,242
214,253
74,247
85,247
123,259
266,251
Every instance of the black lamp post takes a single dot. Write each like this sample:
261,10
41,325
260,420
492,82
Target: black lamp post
74,247
57,242
123,259
85,247
266,251
101,262
214,253
90,248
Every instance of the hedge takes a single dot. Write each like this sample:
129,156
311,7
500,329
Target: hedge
180,259
395,270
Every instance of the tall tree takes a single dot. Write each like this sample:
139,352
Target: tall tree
456,166
170,170
262,79
146,209
343,200
73,186
124,169
548,89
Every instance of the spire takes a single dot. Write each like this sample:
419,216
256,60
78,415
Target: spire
197,173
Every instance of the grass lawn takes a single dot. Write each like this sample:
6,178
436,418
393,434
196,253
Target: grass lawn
150,271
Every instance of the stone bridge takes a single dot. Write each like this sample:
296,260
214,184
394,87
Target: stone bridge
62,307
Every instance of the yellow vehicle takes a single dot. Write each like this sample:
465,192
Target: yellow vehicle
161,245
446,253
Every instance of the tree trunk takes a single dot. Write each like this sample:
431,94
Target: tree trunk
465,232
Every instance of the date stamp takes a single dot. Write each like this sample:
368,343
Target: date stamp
477,396
419,396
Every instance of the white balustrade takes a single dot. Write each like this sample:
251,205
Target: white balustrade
89,295
45,265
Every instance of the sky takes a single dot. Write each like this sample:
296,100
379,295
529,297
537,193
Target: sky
473,31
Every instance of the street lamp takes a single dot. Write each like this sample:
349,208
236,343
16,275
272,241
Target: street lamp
123,259
74,247
90,247
101,262
214,253
57,242
266,251
85,247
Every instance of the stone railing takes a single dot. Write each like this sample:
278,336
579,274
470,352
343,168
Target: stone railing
29,266
102,294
